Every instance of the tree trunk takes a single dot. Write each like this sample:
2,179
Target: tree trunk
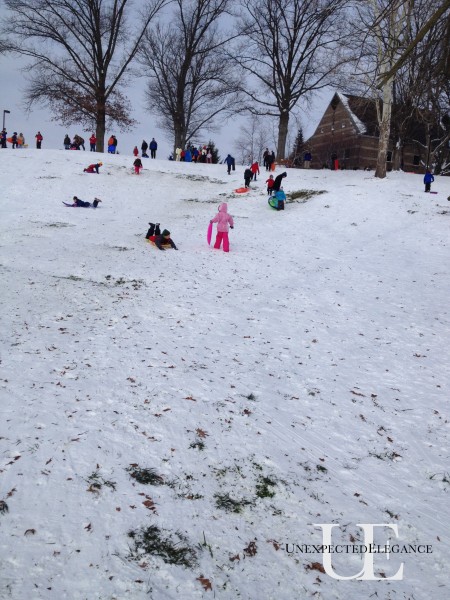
283,125
385,130
101,124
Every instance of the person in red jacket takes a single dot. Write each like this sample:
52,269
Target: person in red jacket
270,183
255,170
93,142
39,139
93,168
135,151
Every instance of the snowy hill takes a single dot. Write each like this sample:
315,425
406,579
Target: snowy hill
175,423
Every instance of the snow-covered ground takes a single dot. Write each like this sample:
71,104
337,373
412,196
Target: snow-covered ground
300,379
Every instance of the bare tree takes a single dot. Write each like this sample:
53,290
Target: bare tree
191,82
291,47
253,139
80,51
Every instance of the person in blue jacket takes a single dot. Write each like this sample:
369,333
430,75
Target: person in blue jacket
428,180
230,163
153,148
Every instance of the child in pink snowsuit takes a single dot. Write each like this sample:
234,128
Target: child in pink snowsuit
224,221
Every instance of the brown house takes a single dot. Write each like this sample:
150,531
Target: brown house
348,133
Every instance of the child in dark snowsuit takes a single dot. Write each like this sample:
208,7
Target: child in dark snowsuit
428,180
153,230
82,204
247,177
159,239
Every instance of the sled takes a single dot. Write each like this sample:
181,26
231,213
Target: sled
72,205
242,190
209,233
10,140
273,202
432,192
152,242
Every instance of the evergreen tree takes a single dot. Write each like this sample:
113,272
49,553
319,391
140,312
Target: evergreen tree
299,145
214,152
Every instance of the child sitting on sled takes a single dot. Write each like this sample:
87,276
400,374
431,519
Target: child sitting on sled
277,200
159,239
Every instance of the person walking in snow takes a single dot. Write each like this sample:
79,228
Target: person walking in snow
144,148
137,166
153,148
255,170
230,163
428,180
66,142
248,174
14,140
135,151
224,222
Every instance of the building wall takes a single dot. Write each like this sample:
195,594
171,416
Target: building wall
338,135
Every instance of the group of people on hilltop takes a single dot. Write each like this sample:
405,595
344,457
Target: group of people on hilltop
202,154
17,141
153,147
268,159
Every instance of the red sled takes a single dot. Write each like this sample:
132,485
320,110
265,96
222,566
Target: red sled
242,190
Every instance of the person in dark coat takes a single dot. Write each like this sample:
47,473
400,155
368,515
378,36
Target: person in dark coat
14,139
144,148
137,166
153,148
3,138
83,204
278,181
248,174
160,239
67,142
230,163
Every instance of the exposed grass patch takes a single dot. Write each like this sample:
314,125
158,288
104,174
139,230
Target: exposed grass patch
302,195
198,444
59,225
96,482
228,504
3,507
264,487
145,476
173,548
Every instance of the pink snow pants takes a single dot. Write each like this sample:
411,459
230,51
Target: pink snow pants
222,235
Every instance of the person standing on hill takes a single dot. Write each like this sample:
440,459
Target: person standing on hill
39,139
153,148
428,180
230,163
93,142
224,222
144,148
67,142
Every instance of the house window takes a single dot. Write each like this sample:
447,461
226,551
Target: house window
389,156
416,160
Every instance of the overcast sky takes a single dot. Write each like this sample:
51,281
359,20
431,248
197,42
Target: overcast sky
12,87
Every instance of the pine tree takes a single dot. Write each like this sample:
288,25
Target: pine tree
297,153
214,152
